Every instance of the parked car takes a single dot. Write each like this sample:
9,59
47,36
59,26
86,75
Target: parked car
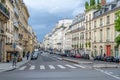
51,52
116,59
85,56
109,58
77,55
72,55
100,57
34,55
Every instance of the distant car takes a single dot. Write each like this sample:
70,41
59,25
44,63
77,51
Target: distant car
34,55
51,52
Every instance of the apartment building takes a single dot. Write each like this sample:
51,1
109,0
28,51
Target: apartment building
4,18
56,39
16,37
77,32
103,30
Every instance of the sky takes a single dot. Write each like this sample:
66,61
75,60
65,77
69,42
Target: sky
44,14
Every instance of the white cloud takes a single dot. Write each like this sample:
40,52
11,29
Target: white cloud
77,11
54,6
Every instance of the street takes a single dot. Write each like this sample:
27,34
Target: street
47,67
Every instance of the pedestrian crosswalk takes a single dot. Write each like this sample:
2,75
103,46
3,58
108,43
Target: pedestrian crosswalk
51,67
42,67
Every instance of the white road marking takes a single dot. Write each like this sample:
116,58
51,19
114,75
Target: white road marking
51,67
111,72
70,66
42,67
60,66
32,67
115,76
79,66
22,68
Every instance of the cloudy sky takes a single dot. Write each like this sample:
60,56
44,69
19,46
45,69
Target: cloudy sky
44,14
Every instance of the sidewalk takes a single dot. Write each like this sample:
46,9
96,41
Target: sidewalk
8,66
91,63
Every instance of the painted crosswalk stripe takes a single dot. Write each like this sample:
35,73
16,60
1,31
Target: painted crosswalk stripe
42,67
70,66
32,67
51,67
60,66
22,68
79,66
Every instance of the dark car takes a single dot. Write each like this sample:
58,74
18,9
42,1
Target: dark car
101,58
109,58
116,59
34,55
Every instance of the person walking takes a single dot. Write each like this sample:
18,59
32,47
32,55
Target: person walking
14,60
28,54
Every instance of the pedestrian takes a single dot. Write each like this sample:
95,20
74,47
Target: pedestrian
104,55
28,54
14,60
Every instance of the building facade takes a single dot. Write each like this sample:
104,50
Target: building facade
14,30
103,30
77,32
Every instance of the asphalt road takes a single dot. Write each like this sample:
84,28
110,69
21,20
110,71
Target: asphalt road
47,67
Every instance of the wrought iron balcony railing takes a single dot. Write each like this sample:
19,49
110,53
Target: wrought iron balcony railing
4,11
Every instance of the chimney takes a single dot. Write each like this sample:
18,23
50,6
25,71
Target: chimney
103,2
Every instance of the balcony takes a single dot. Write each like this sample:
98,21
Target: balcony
4,13
8,43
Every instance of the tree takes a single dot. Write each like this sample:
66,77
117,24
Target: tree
117,22
117,28
86,5
92,2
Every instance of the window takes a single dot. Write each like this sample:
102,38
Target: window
89,16
108,19
89,35
101,22
89,26
108,34
95,24
86,26
100,35
86,18
95,36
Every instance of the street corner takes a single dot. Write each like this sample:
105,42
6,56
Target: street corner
78,61
105,66
70,60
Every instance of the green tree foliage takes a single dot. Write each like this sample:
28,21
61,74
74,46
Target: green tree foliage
117,28
117,22
92,2
117,40
86,5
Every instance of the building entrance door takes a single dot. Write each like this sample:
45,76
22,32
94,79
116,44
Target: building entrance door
108,48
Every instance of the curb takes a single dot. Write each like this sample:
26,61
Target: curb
73,61
77,62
